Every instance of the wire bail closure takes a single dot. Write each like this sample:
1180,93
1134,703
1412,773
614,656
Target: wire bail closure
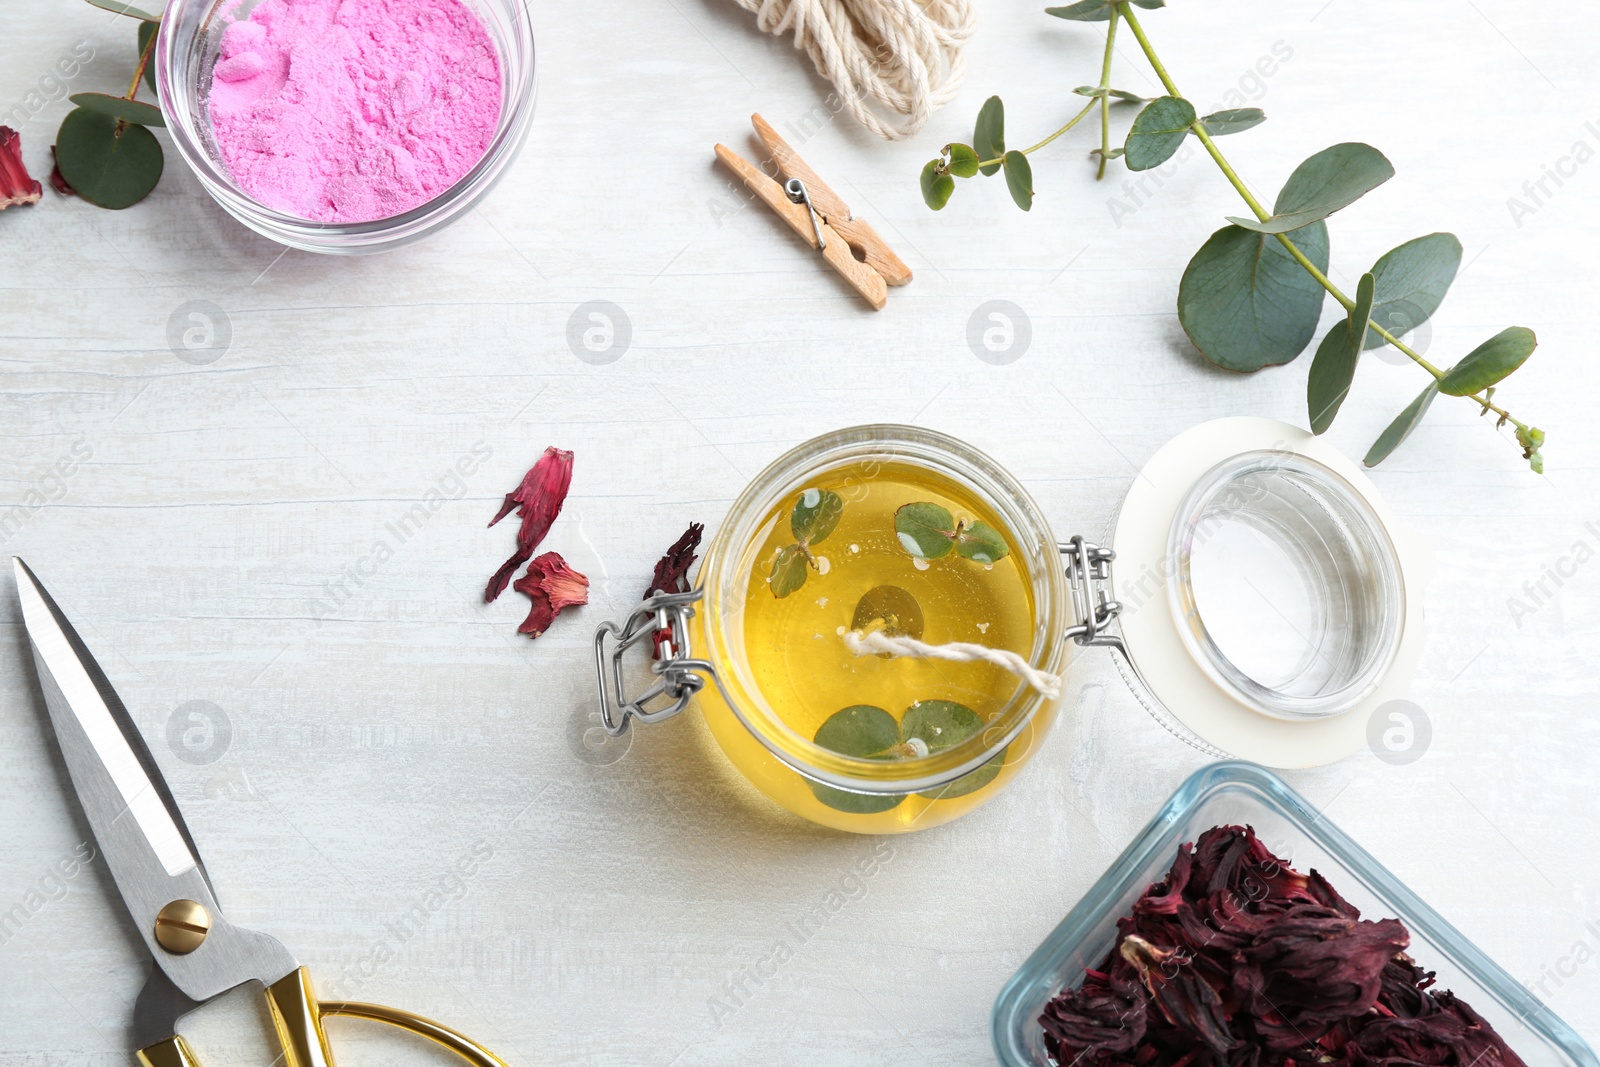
663,621
1089,575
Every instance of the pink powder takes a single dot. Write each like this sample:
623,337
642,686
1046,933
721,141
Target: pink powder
354,110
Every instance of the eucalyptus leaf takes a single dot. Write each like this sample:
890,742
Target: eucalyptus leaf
815,515
1096,10
936,185
1158,132
1246,303
1334,366
120,8
1401,427
963,160
1019,179
148,30
989,135
1490,362
1334,178
939,724
971,782
981,543
1120,96
925,530
897,609
1411,281
866,732
1233,120
943,724
135,111
107,162
1332,371
788,571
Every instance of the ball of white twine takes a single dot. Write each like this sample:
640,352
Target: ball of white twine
879,643
902,55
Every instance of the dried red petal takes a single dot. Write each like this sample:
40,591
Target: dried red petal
16,184
672,569
538,501
553,586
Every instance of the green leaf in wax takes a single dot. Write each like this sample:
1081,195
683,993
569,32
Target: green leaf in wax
939,724
963,160
815,515
926,531
1096,10
1246,303
148,30
107,162
1411,281
970,783
936,185
1401,427
788,571
865,732
120,8
989,136
1490,362
897,609
1019,178
135,111
1233,120
861,730
1334,366
1334,178
1158,132
981,543
943,724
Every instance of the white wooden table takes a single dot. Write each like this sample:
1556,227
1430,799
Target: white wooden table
375,740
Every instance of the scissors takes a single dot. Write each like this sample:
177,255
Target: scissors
197,954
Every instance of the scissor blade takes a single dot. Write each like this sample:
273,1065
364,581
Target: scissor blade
137,825
99,741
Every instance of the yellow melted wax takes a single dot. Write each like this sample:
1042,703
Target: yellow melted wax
794,645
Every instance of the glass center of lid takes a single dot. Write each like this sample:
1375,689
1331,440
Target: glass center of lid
1287,588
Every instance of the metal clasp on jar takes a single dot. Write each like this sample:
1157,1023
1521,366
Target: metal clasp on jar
1091,591
663,621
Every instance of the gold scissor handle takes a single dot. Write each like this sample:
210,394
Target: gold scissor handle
297,1016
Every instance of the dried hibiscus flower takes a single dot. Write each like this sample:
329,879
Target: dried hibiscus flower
553,586
16,184
672,576
538,501
1235,959
672,569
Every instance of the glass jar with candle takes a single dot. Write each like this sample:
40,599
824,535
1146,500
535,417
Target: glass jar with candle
883,627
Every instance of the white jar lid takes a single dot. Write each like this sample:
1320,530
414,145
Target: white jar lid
1270,602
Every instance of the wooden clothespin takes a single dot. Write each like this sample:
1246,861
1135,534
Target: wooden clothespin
821,217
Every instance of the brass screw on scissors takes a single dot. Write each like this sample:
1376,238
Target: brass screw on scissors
196,954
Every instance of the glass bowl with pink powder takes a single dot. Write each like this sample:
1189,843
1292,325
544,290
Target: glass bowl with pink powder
346,126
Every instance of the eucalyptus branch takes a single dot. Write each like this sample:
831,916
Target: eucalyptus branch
1241,315
145,53
1263,214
